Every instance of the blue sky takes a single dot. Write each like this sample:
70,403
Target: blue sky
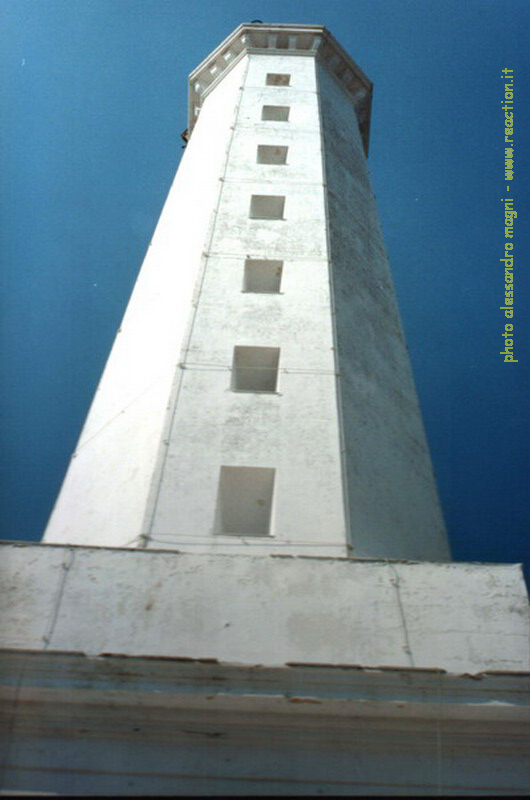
94,96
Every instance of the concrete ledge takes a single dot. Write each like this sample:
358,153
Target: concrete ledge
269,610
114,725
190,683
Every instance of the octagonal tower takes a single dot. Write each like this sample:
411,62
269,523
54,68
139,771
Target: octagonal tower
259,397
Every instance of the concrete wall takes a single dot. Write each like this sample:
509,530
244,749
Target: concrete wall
463,618
393,503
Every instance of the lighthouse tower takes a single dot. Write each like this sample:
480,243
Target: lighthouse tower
259,396
245,585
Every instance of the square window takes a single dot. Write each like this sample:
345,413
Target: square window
272,154
275,113
277,79
262,277
266,206
245,501
255,369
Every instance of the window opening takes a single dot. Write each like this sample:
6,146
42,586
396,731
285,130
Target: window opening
272,154
262,276
278,79
255,369
245,501
275,113
266,206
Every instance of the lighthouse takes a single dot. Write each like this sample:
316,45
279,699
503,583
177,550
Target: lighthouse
259,396
245,587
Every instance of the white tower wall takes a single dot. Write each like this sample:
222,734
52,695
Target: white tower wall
106,489
334,454
393,500
295,430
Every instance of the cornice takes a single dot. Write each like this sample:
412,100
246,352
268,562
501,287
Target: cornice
300,40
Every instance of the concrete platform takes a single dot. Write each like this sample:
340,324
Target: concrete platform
269,610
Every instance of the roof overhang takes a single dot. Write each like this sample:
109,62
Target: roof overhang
299,40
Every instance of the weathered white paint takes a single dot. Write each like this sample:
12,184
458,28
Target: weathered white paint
343,431
393,501
295,431
463,618
106,490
